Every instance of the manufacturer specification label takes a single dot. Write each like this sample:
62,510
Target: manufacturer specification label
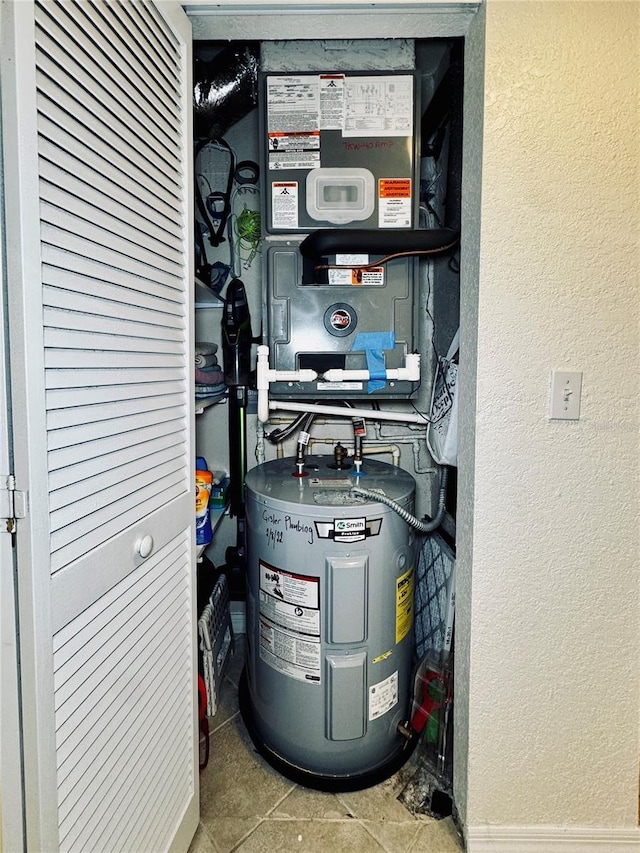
290,623
383,696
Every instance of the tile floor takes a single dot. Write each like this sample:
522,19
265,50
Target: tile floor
246,806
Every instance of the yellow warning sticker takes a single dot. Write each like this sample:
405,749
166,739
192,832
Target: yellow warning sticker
382,657
404,604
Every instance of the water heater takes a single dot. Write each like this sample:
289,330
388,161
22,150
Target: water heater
330,591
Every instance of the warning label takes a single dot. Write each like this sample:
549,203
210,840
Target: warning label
394,202
404,604
394,187
354,274
294,150
294,160
290,623
383,696
284,204
331,101
297,140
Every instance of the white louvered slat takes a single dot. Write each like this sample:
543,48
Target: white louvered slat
109,55
110,39
91,322
145,801
125,600
81,811
97,231
81,246
111,601
157,53
132,764
84,739
93,670
142,153
80,378
114,148
103,94
106,482
158,802
125,427
62,339
110,502
75,398
82,414
67,457
73,58
78,736
79,274
90,297
110,467
121,508
151,35
104,212
58,359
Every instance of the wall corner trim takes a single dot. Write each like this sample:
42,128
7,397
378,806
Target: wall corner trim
552,839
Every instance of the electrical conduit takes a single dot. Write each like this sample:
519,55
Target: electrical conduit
416,523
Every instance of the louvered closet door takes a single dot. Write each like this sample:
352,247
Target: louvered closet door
104,425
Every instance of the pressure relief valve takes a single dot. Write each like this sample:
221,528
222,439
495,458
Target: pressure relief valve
339,458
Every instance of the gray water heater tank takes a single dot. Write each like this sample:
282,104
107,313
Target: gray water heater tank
330,579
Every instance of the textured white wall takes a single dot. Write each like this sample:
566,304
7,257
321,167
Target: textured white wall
553,702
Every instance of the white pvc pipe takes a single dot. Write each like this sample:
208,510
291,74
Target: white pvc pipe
265,375
340,412
409,373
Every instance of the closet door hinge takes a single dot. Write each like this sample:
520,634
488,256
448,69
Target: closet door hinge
13,504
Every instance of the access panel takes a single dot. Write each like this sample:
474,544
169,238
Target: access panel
339,150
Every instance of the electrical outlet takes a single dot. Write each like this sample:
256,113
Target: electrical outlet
564,399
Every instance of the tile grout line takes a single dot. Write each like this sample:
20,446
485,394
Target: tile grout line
346,820
262,819
363,824
223,723
279,802
209,838
247,835
344,805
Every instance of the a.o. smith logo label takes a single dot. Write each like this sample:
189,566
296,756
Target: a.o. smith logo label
348,529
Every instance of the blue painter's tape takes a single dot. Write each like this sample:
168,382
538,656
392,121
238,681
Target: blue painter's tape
374,341
374,344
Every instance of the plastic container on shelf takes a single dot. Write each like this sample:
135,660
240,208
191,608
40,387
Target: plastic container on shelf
218,489
204,485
